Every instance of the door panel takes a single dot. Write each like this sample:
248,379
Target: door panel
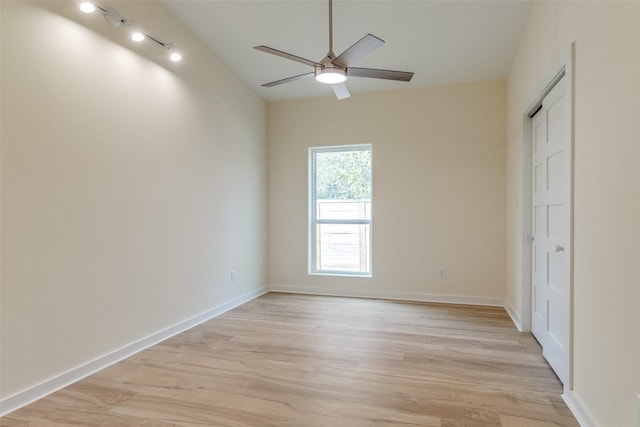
555,221
539,179
551,201
555,175
540,221
555,273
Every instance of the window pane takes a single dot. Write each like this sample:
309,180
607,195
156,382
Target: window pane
343,247
343,175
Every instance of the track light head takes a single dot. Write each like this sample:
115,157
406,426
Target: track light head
87,7
174,55
136,35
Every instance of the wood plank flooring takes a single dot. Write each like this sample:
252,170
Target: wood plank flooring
296,360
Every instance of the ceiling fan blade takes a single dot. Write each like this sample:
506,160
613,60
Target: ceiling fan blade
374,73
365,45
288,79
288,56
341,90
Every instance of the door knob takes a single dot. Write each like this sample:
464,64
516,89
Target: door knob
559,248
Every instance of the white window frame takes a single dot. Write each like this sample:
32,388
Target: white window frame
314,221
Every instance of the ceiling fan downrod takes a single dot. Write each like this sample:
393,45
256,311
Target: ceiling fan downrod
331,29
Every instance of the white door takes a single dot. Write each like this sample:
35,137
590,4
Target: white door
551,223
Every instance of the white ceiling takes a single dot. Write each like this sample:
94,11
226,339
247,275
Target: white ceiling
442,42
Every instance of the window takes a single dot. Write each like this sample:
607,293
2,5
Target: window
340,210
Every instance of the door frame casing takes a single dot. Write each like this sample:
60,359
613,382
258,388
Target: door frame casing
565,68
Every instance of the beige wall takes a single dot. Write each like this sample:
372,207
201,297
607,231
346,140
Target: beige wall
438,189
131,186
607,189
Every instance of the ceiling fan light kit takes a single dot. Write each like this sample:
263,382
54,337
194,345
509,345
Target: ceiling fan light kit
334,70
330,75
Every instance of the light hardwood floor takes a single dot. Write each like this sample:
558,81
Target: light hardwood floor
295,360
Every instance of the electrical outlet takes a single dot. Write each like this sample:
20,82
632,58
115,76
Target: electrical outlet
441,273
234,276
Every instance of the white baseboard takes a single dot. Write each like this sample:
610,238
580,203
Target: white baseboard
402,296
579,410
49,386
514,317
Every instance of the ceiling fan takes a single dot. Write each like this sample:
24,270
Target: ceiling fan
334,70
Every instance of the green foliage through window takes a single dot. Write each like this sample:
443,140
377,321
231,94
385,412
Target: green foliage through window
343,175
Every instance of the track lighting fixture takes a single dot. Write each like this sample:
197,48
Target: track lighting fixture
116,20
